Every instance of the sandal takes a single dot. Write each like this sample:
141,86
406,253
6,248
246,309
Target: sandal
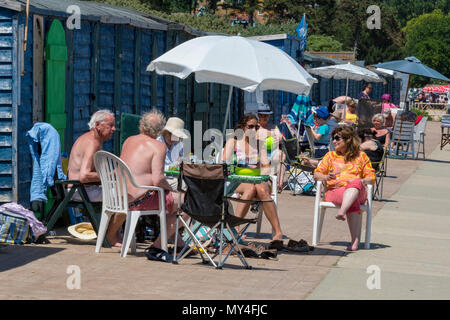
253,250
298,246
157,254
276,244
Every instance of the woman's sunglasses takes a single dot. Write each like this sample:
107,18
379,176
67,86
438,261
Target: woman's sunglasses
337,138
252,126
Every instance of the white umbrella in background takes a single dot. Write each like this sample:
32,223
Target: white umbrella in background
346,71
235,61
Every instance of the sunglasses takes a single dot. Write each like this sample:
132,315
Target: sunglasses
252,126
337,138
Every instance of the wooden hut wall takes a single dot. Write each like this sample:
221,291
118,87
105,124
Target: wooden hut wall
8,104
109,73
25,113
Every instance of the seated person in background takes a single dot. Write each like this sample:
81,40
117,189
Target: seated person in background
170,137
346,171
272,136
350,116
244,151
371,146
381,133
321,132
334,120
81,164
389,110
145,157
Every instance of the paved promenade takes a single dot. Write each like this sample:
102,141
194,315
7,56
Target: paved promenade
40,271
411,241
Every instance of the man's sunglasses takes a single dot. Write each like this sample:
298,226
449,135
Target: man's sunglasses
252,126
337,138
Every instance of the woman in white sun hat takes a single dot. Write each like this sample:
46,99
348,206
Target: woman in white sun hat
172,136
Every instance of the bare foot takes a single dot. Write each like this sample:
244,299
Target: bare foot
353,247
117,245
340,216
115,241
277,237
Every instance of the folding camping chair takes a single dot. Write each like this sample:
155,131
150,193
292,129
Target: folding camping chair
380,172
205,201
445,130
402,142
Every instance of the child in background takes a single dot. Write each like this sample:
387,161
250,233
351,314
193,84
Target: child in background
321,131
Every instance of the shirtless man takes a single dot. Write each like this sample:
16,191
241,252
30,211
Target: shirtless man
81,160
145,157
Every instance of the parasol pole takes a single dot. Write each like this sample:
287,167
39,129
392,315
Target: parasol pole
401,122
346,93
230,93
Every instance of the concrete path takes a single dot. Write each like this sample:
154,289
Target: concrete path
410,244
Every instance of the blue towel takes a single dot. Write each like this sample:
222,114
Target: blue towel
50,159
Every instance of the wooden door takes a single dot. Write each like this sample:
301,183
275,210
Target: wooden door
55,78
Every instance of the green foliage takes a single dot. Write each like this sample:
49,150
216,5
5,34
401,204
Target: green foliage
323,43
421,113
427,38
407,10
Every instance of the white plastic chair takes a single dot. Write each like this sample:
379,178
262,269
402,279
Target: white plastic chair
113,173
321,206
274,195
419,136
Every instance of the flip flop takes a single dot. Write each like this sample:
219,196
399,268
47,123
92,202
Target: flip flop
157,254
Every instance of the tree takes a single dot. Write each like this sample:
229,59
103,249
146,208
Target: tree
427,38
407,10
319,13
248,7
323,43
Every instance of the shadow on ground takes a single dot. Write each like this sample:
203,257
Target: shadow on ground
373,246
13,256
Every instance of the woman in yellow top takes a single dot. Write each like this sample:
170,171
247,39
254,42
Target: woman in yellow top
346,172
350,113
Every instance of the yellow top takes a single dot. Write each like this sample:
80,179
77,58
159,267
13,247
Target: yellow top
359,168
350,116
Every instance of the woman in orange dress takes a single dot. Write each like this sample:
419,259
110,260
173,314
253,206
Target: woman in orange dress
346,172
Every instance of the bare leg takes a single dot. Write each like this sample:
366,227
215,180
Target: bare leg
248,192
113,230
171,220
350,195
269,210
354,224
281,172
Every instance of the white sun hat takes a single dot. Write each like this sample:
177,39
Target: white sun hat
176,127
83,231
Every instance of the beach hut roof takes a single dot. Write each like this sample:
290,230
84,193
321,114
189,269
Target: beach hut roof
101,12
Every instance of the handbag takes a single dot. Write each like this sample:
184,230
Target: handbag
14,229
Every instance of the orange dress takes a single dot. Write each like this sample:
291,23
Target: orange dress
359,168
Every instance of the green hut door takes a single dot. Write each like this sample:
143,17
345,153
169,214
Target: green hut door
55,78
